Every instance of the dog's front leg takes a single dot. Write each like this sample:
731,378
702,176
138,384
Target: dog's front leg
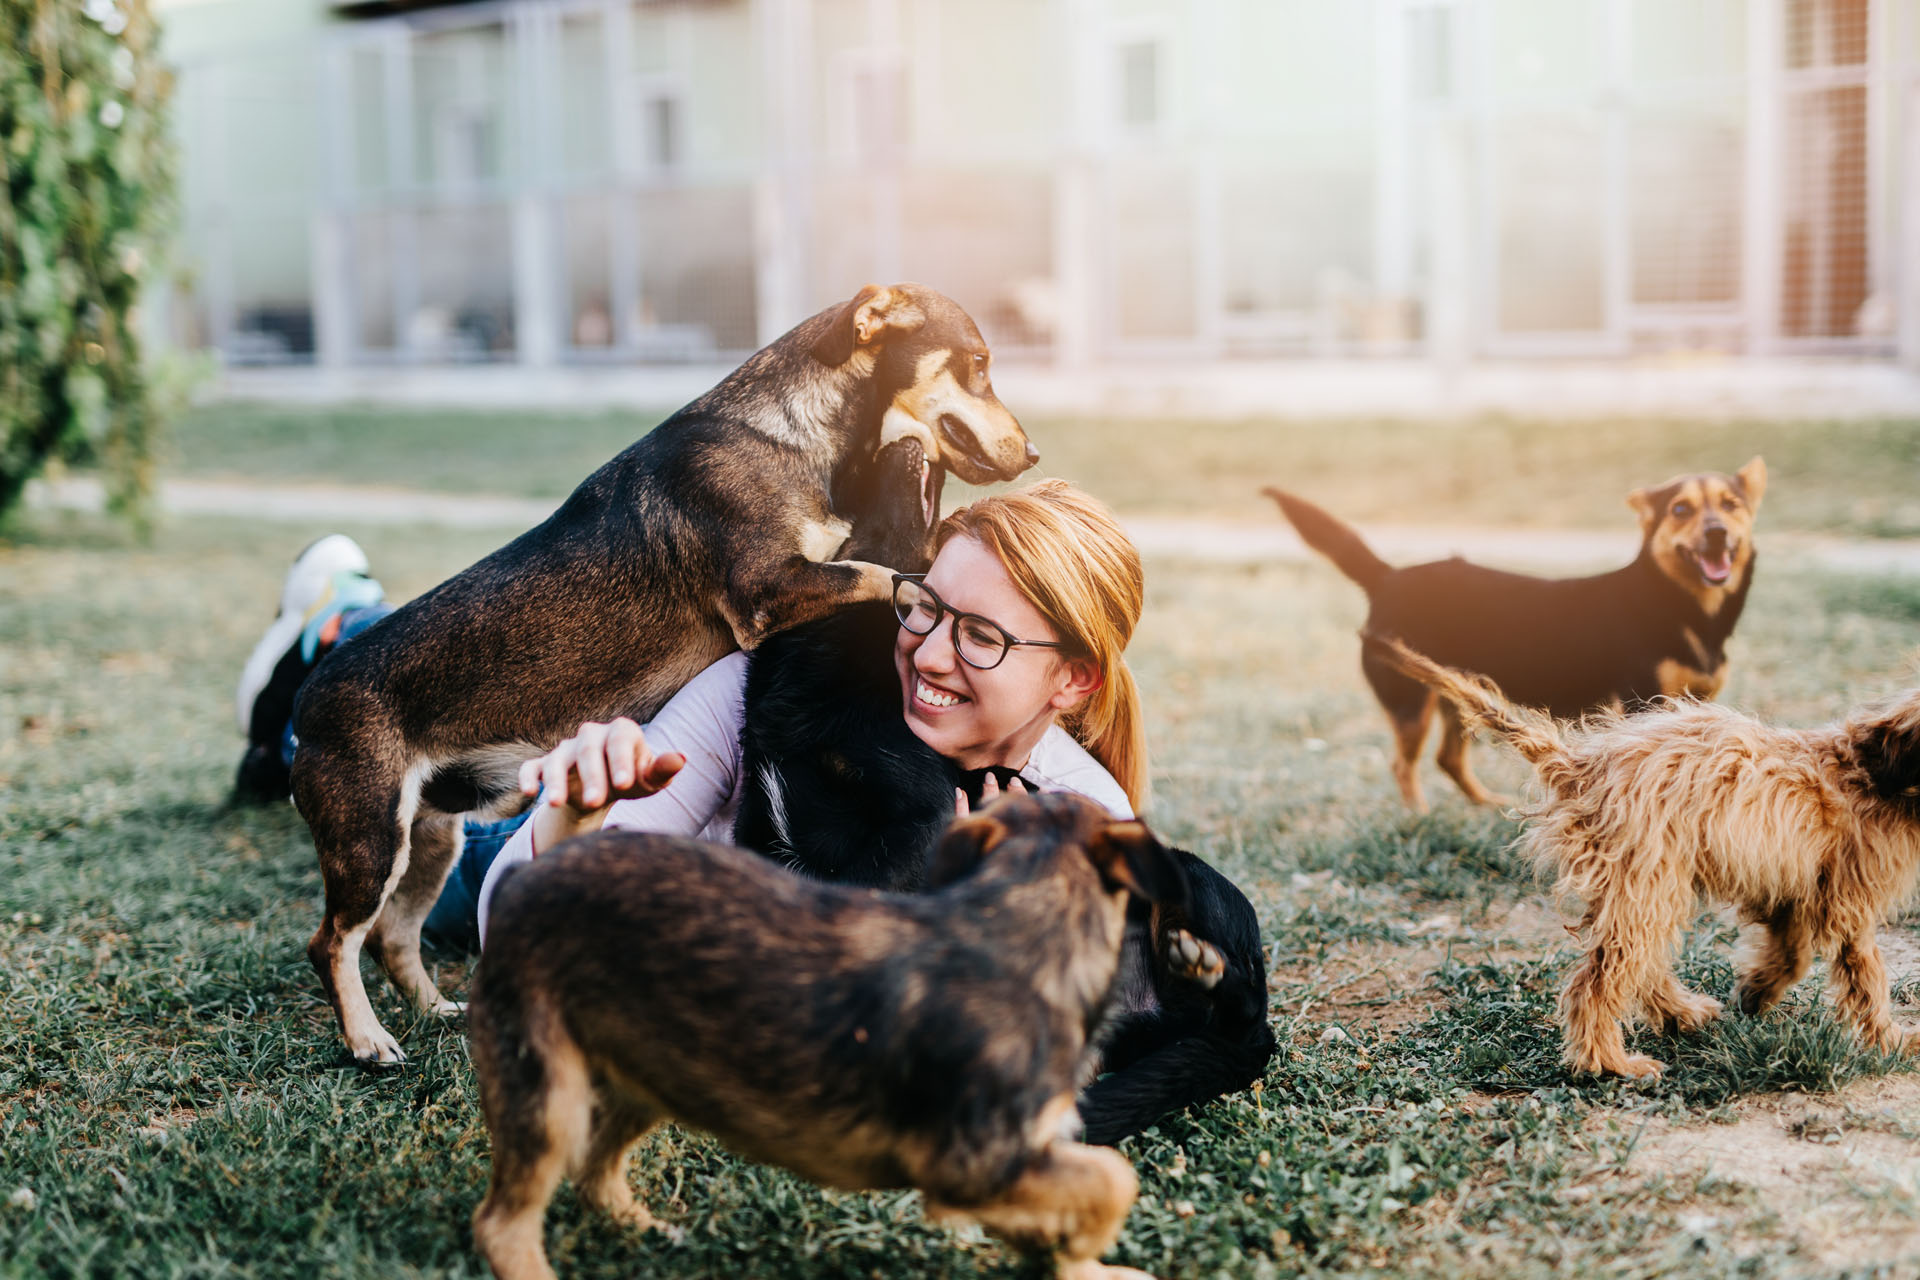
763,599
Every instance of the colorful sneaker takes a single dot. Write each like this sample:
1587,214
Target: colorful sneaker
329,577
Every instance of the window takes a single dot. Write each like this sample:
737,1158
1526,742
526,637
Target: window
1140,87
876,109
663,145
1430,54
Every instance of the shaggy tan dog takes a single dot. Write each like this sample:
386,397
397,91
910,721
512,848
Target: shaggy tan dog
1812,833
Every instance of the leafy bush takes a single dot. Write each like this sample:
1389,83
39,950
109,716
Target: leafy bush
83,102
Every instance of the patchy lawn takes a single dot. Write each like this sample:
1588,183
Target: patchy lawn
173,1096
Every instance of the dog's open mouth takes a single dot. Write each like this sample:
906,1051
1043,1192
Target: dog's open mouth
1716,566
962,441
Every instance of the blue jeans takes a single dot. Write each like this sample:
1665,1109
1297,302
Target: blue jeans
455,918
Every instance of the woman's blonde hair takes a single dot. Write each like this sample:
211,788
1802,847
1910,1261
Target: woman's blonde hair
1074,563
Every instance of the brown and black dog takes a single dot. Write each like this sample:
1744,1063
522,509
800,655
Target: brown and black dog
1658,626
721,526
864,1040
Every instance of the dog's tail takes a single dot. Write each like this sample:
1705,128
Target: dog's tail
1333,539
1482,705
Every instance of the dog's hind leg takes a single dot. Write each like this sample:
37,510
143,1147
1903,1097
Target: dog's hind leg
433,847
1410,722
619,1122
361,848
1860,984
1071,1201
1452,759
535,1091
1778,959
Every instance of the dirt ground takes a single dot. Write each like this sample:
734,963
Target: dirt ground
1832,1180
1380,986
1836,1178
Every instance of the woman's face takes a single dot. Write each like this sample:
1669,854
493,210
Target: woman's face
979,718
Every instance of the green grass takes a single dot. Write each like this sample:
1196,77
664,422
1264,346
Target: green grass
1853,478
173,1095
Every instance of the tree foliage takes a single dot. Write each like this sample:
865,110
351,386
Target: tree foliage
89,190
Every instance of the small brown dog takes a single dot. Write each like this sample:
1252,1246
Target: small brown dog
864,1040
1813,834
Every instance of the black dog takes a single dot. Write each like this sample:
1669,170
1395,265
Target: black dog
837,787
715,530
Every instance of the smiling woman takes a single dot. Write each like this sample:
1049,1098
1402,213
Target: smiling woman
1039,591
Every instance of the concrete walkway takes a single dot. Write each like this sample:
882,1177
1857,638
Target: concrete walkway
1765,388
347,507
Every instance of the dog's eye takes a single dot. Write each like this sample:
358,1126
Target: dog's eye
1729,504
1681,510
980,362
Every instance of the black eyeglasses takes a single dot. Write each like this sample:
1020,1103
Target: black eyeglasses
981,642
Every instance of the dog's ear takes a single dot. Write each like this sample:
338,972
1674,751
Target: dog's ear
1648,504
875,310
1128,856
1753,481
963,846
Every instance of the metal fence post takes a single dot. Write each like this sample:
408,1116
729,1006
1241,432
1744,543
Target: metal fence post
1906,265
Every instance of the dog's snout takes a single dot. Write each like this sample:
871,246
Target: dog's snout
1716,536
1033,453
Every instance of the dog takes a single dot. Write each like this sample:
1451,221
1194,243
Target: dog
863,1040
1812,834
836,787
717,529
1657,627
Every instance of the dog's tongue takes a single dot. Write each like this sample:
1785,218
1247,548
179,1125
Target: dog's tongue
1716,568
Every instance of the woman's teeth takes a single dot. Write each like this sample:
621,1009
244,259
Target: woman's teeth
933,697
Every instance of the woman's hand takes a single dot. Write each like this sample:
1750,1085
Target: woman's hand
989,792
589,771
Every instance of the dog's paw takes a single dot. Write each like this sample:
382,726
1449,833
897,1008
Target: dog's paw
1689,1015
634,1216
1892,1039
447,1008
1087,1269
1638,1066
1192,959
376,1049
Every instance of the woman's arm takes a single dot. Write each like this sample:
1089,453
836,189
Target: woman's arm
617,775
